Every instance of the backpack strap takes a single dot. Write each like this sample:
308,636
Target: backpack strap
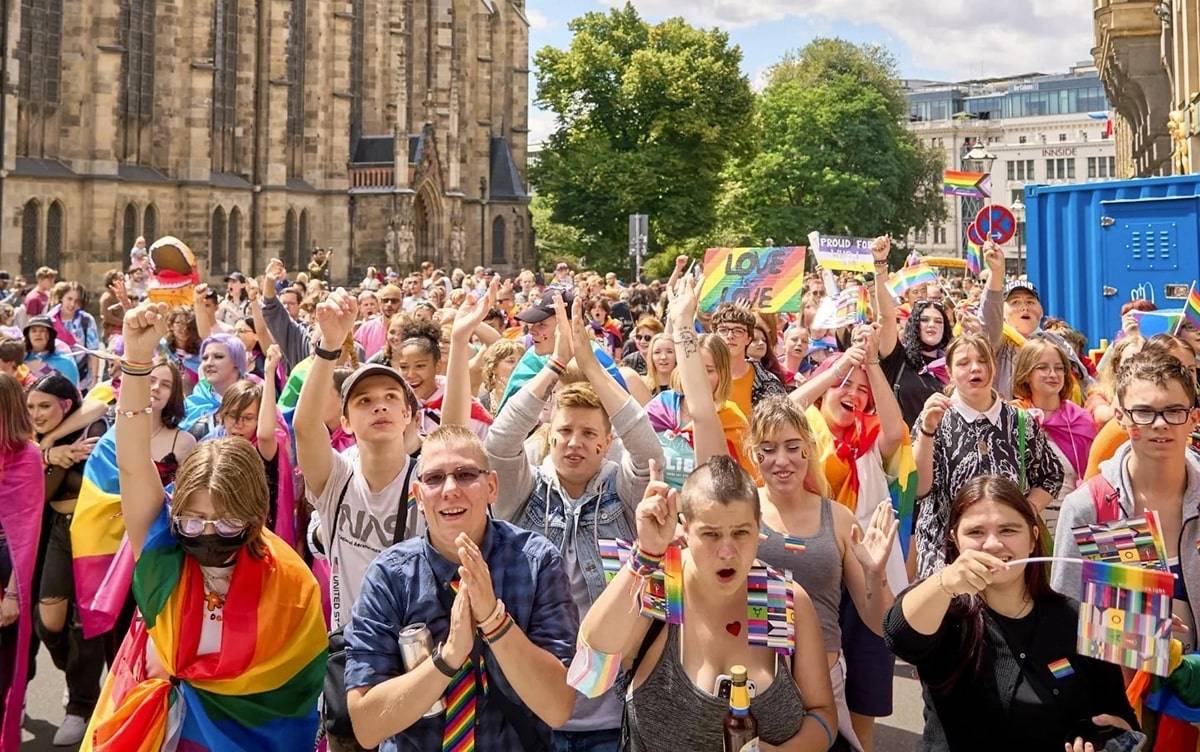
402,513
1022,420
1106,500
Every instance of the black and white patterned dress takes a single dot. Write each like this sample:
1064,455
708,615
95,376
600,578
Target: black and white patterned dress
963,450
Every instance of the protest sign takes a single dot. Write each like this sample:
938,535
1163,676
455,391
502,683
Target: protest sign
770,280
841,253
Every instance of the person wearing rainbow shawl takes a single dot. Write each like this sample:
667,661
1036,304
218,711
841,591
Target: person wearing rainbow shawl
230,651
866,454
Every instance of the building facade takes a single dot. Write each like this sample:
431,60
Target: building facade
393,131
1148,55
1041,129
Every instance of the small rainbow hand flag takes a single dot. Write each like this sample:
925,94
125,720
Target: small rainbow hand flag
966,184
1191,309
902,280
974,259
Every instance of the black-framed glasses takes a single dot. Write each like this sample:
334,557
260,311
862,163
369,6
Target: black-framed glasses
1144,416
191,526
463,476
732,331
643,337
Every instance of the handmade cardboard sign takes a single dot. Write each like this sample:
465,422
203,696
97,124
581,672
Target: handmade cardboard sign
770,280
841,253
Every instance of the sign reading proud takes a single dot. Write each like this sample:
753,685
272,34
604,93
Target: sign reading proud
841,253
770,280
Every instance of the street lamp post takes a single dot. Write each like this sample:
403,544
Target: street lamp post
982,159
1018,210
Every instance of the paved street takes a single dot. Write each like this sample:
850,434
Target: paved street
44,706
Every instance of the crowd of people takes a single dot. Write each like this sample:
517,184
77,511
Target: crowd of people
428,511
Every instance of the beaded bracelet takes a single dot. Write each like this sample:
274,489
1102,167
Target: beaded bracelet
644,564
131,413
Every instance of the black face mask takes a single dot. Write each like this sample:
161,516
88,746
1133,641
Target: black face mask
212,550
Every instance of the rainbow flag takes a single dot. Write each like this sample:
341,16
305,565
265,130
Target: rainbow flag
103,566
966,184
903,280
1061,668
258,693
901,470
792,543
862,308
1125,616
1191,309
1151,323
771,280
974,259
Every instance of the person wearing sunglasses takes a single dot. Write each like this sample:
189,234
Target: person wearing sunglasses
231,624
497,603
1154,470
647,327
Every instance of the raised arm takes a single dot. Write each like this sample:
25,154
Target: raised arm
267,414
885,307
261,331
925,444
206,315
816,386
456,408
611,395
891,420
991,307
335,318
709,436
141,490
90,411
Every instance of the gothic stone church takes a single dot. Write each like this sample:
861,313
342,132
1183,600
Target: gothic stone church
393,131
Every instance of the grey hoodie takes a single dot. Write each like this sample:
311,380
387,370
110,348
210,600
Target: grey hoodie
1078,509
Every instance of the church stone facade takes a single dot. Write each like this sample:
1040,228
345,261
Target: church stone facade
393,131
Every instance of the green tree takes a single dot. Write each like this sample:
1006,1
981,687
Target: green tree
833,154
647,117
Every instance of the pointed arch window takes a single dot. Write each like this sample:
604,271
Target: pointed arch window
296,46
224,99
31,219
55,226
129,225
136,102
217,264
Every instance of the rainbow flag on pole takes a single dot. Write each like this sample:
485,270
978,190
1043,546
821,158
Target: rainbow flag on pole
902,280
259,692
966,184
974,259
1191,309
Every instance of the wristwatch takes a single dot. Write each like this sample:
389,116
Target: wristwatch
440,664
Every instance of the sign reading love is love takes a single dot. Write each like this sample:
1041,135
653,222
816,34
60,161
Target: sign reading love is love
770,280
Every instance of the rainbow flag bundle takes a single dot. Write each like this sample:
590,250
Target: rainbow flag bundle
1125,616
1136,542
974,259
101,559
966,184
770,609
259,692
1191,309
903,280
862,308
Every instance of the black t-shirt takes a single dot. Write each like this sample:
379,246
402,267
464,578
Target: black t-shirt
910,386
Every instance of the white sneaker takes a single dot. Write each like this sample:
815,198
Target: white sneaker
71,732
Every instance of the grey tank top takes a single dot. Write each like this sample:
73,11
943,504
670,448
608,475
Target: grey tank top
817,569
667,713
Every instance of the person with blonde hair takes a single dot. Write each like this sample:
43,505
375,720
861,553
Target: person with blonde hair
660,364
1042,386
208,570
499,360
836,552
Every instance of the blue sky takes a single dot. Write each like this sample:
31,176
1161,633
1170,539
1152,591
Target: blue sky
937,39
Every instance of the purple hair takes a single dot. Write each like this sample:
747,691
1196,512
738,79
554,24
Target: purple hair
233,345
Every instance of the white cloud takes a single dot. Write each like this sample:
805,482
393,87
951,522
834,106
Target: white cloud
959,37
541,125
537,20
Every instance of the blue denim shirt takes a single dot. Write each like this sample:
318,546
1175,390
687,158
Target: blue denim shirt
401,588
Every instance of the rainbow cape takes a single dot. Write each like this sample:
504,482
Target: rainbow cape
848,464
200,404
101,559
258,693
22,479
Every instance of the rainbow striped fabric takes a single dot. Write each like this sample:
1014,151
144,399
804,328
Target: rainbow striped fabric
745,273
1191,309
1125,616
102,570
903,280
974,259
258,693
966,184
1061,668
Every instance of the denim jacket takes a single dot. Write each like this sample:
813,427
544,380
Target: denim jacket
530,495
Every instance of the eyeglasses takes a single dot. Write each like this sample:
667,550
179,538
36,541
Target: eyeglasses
227,527
463,476
643,337
243,420
389,300
1144,416
1057,370
732,331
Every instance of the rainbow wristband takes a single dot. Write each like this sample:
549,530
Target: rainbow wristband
644,564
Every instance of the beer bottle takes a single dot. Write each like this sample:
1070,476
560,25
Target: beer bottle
741,728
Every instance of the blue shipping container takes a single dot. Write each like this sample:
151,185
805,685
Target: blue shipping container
1092,247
